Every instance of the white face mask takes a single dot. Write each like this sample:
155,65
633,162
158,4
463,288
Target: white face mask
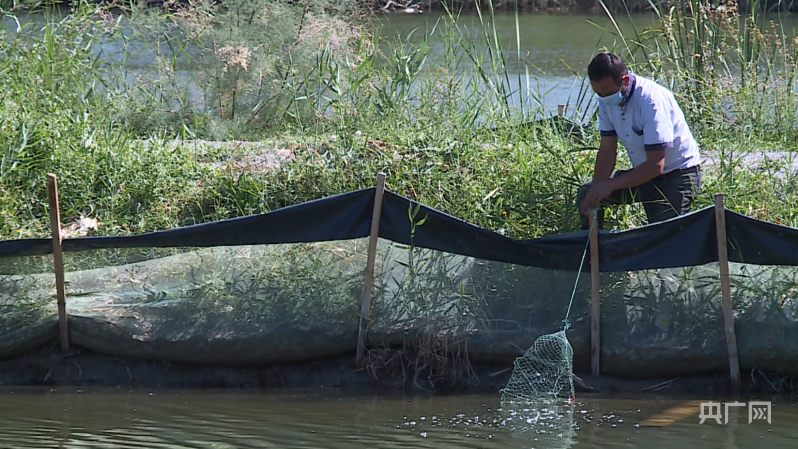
612,100
615,99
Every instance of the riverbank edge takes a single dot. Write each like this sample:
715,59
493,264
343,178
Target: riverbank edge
48,366
573,7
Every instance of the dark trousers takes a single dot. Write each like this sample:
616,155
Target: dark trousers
664,197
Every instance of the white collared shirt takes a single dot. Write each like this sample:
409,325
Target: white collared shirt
651,120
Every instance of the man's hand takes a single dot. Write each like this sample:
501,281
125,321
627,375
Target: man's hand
598,191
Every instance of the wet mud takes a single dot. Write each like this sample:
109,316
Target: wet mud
49,366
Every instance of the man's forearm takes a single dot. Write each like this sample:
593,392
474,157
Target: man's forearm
645,172
605,163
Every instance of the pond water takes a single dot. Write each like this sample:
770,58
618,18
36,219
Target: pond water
66,418
552,48
552,44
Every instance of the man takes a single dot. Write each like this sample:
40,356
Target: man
649,122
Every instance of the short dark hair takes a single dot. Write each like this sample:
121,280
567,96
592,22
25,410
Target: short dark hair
606,65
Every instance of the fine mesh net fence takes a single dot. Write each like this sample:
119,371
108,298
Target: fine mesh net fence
669,322
664,323
286,302
28,308
441,311
234,305
433,312
765,302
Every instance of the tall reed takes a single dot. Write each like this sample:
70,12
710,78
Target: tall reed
345,104
341,107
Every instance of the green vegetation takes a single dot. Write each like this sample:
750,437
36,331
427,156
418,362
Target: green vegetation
324,106
214,112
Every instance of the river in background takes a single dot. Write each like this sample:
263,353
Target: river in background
549,70
555,49
552,44
180,419
554,52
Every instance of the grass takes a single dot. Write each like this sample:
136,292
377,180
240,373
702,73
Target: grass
343,113
313,107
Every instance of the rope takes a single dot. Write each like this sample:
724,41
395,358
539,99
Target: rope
565,322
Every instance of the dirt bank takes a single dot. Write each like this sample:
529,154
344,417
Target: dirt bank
80,367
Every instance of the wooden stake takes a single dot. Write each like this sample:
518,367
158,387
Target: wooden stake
58,258
369,281
595,335
561,110
725,288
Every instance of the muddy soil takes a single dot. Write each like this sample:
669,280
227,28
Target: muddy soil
48,366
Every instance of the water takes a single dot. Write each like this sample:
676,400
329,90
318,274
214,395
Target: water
552,48
551,45
548,71
555,49
180,419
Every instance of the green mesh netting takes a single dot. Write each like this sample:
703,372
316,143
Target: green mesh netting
28,307
545,371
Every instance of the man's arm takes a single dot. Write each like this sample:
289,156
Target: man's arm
650,169
605,164
606,158
608,148
647,170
